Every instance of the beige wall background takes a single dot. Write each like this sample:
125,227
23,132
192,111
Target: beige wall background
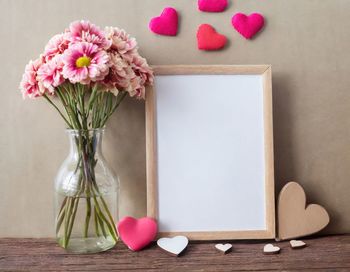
306,41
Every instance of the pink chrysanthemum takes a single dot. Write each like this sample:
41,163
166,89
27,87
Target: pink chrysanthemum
84,31
121,42
120,73
142,69
136,87
143,76
30,86
56,45
50,73
85,62
128,70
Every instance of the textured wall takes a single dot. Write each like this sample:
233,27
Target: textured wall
306,42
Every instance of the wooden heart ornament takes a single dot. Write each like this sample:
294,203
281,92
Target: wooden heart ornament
224,248
271,249
137,233
209,39
295,244
166,23
295,219
249,25
174,245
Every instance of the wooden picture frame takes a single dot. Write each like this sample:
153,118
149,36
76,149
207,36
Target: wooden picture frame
151,149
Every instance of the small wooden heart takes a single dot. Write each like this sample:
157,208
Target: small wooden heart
295,219
271,249
174,245
295,244
224,248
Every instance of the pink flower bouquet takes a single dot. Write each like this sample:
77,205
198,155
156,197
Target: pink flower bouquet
91,61
85,73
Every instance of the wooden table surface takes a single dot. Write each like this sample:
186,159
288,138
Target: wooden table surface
331,253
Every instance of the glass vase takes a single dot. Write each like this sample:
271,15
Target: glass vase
86,196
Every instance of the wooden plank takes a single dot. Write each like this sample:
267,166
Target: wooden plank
325,253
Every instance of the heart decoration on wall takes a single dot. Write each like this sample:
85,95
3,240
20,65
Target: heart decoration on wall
248,26
137,233
165,24
212,5
295,219
209,39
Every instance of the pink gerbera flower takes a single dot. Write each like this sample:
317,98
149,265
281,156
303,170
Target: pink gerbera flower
30,86
84,31
56,45
85,62
50,73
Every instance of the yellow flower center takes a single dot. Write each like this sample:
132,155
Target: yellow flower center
83,62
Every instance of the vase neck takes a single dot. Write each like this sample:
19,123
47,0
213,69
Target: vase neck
85,141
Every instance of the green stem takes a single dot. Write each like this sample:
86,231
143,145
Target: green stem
92,97
68,98
110,225
60,217
100,221
70,213
64,103
75,208
96,223
54,105
66,221
62,206
105,206
88,215
120,98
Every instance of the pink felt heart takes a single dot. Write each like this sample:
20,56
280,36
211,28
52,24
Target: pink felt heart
209,39
137,233
248,26
166,23
212,5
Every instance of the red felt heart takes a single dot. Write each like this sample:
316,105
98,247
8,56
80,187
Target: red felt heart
212,5
209,39
137,233
248,26
166,23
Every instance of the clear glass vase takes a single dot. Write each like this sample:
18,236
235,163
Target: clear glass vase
86,196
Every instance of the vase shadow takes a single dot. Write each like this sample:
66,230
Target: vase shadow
124,148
